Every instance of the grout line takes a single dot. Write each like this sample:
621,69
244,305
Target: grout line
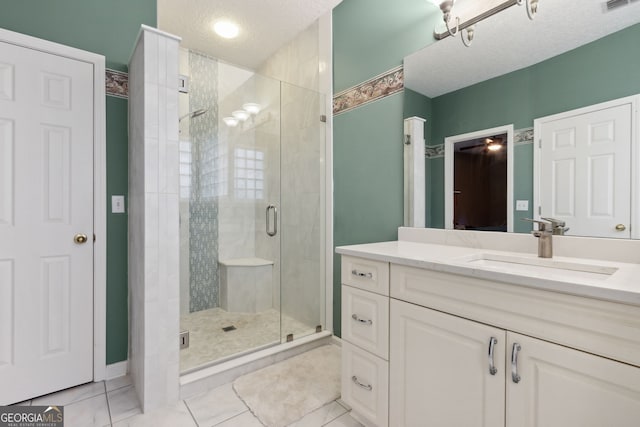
191,413
337,416
245,405
106,397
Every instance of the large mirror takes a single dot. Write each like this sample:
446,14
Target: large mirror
574,54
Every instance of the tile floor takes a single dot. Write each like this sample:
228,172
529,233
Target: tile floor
114,403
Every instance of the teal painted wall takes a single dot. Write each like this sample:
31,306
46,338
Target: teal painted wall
373,36
369,38
599,71
110,29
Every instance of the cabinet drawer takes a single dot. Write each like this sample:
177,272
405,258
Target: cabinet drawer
365,384
366,274
365,320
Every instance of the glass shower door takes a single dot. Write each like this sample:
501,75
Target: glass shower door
249,240
230,183
302,222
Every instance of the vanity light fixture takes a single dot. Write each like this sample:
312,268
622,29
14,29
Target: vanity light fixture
241,115
230,121
251,108
468,26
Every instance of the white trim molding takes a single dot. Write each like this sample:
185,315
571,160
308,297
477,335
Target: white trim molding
116,370
449,143
99,180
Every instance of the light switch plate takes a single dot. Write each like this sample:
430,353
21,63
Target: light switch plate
117,204
522,205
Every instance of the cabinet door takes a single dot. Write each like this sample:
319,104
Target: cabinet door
560,387
439,370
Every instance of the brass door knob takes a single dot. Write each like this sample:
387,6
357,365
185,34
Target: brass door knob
80,238
620,227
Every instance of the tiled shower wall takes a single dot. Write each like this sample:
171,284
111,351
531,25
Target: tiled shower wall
153,218
203,204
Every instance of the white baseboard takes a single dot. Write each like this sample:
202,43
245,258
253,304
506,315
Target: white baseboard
118,369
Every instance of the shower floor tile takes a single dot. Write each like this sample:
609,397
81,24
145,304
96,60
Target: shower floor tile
208,342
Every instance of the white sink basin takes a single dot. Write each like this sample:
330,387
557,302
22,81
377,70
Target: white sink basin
547,267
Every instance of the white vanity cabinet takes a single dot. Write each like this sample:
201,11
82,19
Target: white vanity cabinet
365,339
559,387
441,369
441,364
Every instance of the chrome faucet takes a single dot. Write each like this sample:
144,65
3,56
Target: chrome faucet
544,233
557,226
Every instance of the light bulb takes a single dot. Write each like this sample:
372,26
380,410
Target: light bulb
251,107
226,29
240,115
230,121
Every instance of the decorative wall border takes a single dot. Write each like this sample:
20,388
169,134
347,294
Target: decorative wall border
434,151
378,87
520,137
117,83
523,136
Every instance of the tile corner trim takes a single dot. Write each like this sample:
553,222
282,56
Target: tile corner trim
117,83
378,87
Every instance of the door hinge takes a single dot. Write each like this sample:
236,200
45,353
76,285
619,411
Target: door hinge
539,210
184,339
539,143
323,118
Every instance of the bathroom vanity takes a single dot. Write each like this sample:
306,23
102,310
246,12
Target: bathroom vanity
458,328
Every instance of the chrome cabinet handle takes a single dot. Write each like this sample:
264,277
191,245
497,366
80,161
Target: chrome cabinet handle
365,321
492,368
361,274
364,386
275,220
514,362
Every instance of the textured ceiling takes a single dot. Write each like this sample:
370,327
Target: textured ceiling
265,25
509,41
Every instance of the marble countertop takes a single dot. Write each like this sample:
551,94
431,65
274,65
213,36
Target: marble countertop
621,286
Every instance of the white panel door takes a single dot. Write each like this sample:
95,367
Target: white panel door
585,171
560,387
439,370
46,198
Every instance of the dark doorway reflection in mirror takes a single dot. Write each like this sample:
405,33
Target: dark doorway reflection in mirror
480,184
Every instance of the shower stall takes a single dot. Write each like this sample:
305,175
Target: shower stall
252,199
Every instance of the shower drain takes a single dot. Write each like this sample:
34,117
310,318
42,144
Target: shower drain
229,328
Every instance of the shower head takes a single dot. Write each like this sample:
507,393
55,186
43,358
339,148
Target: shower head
193,114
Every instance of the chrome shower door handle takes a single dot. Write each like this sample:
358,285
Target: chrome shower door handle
275,220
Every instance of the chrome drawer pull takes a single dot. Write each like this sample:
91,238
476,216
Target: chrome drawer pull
492,368
365,321
361,274
514,363
364,386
